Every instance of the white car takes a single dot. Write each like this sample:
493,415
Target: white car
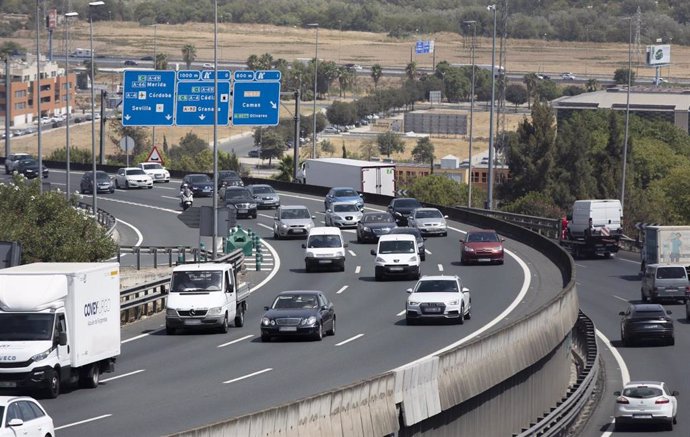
343,215
645,402
157,172
429,221
438,297
132,177
24,416
568,76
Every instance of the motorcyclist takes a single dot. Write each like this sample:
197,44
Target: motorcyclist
185,194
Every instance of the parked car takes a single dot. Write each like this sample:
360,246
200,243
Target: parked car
343,215
200,184
429,221
373,225
325,247
646,321
299,313
665,282
24,416
402,207
292,221
438,297
254,153
484,246
230,177
157,172
132,177
104,184
29,168
645,402
406,230
264,195
343,194
242,200
12,160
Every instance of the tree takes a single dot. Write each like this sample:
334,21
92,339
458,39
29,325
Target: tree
327,147
272,146
87,70
368,148
10,48
438,190
285,169
341,113
592,85
344,150
516,94
140,135
423,152
531,81
229,161
411,70
620,76
161,62
389,142
376,73
188,54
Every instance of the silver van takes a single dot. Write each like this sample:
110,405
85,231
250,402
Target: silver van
665,282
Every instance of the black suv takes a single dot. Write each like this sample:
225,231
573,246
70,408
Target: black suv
401,208
200,184
230,177
243,201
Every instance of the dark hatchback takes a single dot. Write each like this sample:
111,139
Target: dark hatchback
29,168
373,225
242,200
401,208
418,235
103,183
230,177
200,184
299,313
646,322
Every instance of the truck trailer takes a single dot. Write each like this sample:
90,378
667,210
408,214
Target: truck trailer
59,323
363,176
665,244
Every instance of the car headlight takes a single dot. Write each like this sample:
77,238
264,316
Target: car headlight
366,229
252,205
412,303
468,249
309,225
215,311
42,356
454,302
413,258
171,312
309,254
498,249
380,260
167,174
265,321
309,321
283,226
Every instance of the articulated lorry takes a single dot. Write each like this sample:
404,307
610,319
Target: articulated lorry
664,244
59,323
363,176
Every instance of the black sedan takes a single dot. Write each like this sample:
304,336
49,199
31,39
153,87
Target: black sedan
103,183
29,168
401,208
230,177
200,184
299,313
242,200
646,322
373,225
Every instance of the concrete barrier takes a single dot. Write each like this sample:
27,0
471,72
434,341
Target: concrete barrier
417,389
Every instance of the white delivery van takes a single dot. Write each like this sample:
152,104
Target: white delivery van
397,255
593,218
59,322
325,247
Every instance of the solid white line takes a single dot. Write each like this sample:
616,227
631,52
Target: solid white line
351,252
625,374
263,226
274,271
401,313
358,269
235,341
69,425
440,267
349,340
140,336
342,289
140,237
266,215
173,198
141,205
247,376
629,261
122,376
620,298
580,266
427,251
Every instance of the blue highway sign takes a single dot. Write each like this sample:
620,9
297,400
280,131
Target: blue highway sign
195,98
256,98
148,98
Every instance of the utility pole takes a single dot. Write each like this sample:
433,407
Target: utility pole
295,152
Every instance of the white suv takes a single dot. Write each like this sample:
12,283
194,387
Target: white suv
438,297
325,247
157,172
397,255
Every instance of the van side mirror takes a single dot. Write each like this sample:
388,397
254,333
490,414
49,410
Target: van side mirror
616,393
675,393
345,245
62,339
622,313
445,216
313,217
373,252
304,246
465,290
266,308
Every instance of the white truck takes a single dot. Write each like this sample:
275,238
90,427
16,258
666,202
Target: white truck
664,244
81,53
363,176
59,323
205,295
594,228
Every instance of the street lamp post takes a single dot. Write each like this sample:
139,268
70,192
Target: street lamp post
38,96
155,35
94,186
469,179
627,114
68,15
490,179
215,128
316,74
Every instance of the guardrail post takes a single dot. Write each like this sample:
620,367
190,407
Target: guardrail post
170,257
138,252
155,257
119,251
259,259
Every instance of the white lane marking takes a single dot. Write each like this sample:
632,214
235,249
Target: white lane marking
427,251
351,252
140,205
521,295
625,374
81,422
123,375
620,298
350,339
230,381
263,226
140,237
342,289
580,266
358,269
274,271
237,340
440,267
323,222
140,336
267,216
401,313
159,187
173,198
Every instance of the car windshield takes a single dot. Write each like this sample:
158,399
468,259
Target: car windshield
377,218
482,237
26,326
321,241
263,190
202,280
670,273
406,203
102,177
135,172
407,231
642,392
437,286
294,214
236,194
199,179
28,162
428,213
295,301
153,167
396,247
345,193
228,174
348,207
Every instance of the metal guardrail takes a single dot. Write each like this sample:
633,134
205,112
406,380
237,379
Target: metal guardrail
104,218
547,227
175,254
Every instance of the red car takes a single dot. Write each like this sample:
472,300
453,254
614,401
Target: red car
484,246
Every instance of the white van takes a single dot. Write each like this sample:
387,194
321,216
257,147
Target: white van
325,247
596,218
397,255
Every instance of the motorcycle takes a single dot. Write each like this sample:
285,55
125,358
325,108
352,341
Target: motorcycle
186,201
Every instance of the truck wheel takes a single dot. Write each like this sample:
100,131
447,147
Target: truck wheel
53,390
239,316
90,376
224,326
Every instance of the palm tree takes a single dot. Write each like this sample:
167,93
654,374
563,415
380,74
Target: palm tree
188,54
592,85
376,73
285,168
411,70
161,62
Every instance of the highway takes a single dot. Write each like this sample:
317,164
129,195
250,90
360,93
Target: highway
164,384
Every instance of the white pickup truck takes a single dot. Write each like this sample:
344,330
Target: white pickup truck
205,295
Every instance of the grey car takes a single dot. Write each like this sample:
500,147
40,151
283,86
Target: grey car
265,196
343,215
665,282
292,221
429,221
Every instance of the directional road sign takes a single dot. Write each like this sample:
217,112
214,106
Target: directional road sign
195,98
148,98
256,98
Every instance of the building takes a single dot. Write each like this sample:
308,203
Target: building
406,172
24,91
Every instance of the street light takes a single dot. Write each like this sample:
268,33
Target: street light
68,15
94,186
38,95
155,35
490,179
316,73
215,128
469,181
627,114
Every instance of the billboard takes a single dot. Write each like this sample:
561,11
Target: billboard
658,55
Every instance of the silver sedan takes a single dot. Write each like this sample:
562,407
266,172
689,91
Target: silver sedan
428,221
343,215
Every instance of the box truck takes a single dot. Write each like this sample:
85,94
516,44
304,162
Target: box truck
363,176
664,244
59,323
